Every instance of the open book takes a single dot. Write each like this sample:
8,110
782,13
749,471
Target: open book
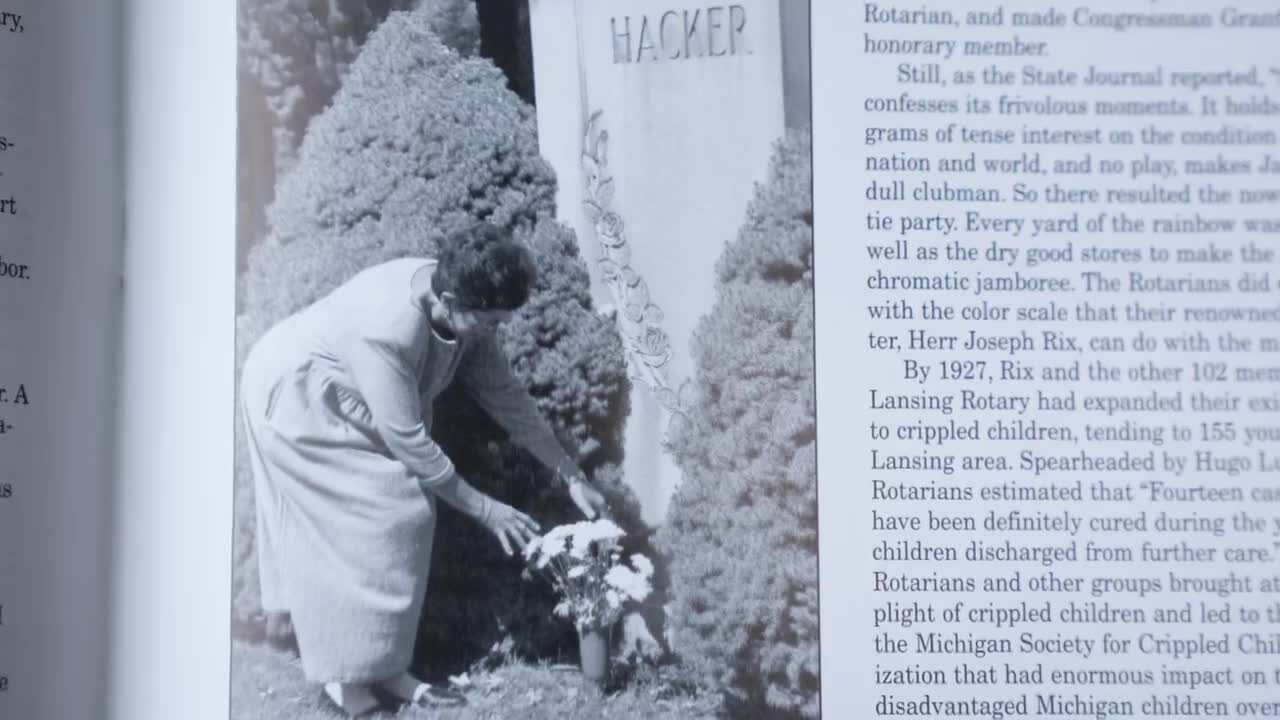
635,359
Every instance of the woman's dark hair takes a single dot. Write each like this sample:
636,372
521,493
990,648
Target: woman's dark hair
485,268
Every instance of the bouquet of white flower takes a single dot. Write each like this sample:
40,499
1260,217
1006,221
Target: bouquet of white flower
583,562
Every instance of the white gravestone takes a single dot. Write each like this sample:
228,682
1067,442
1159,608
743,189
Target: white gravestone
659,118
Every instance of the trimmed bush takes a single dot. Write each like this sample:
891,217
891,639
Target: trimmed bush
417,143
741,535
298,51
293,56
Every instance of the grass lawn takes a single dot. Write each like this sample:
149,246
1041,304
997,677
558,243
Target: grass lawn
267,684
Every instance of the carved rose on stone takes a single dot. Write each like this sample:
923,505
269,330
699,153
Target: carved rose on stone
619,254
610,270
610,226
654,347
639,319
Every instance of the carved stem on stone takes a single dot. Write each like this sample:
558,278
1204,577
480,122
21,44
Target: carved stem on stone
639,319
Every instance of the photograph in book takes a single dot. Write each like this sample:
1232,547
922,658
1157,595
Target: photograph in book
525,371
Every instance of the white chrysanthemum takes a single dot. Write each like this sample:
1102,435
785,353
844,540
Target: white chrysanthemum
544,559
583,535
595,531
533,548
584,551
642,564
579,550
548,547
628,582
555,541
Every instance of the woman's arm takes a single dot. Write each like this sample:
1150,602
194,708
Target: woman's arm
389,388
463,497
513,528
487,376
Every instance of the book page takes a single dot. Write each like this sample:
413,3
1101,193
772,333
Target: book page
1044,289
1047,235
170,561
60,241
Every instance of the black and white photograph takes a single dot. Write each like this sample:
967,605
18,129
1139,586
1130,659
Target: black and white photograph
525,361
464,359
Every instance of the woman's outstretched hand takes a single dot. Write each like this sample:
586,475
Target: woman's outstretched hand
588,499
513,528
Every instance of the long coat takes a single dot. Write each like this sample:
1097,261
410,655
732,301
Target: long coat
337,404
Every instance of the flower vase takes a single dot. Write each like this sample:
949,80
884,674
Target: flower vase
593,649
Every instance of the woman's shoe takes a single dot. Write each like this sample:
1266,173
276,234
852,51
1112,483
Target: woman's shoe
426,699
352,699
